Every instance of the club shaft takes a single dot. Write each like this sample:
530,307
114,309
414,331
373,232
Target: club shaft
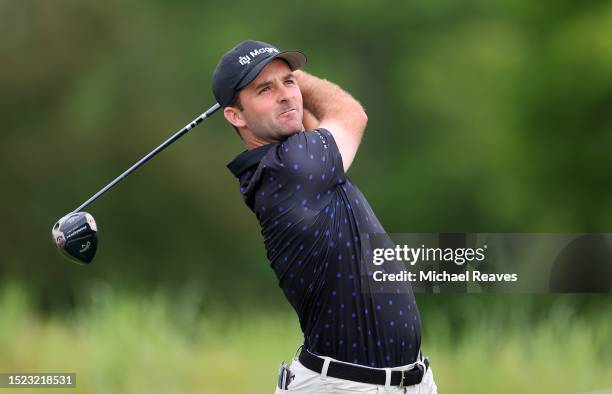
140,162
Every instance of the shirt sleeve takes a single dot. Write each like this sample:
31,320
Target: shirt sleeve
308,160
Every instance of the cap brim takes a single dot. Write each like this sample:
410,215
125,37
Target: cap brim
295,60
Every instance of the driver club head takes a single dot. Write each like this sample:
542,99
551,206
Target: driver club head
76,236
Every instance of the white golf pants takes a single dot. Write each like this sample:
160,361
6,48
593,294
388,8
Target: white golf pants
310,382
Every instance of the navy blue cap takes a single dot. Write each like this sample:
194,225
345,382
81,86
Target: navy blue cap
241,65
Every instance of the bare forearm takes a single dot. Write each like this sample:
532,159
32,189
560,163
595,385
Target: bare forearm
310,121
336,111
328,102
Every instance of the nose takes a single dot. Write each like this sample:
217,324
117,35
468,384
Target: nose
283,93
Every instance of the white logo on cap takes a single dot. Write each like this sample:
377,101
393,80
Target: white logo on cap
246,59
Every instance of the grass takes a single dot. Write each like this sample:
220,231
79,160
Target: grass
120,343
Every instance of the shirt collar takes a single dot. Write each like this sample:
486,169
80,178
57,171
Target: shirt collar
248,159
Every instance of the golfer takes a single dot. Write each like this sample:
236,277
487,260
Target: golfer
301,135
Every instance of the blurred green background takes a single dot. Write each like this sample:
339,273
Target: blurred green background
484,116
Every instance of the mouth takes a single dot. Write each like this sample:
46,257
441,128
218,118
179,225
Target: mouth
288,112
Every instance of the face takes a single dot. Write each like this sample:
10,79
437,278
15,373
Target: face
271,104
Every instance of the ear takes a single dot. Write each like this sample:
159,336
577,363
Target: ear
234,116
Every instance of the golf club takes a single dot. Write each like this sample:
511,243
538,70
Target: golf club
76,233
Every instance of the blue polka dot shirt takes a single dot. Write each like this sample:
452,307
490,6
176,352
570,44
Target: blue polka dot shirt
313,219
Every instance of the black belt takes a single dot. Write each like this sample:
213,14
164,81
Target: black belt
361,374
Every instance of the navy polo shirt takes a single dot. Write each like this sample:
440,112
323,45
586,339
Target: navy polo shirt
313,220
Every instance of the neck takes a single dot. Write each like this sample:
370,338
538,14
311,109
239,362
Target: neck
251,141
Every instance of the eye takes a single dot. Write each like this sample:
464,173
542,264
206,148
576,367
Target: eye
290,82
263,90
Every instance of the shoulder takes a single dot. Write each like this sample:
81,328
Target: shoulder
306,154
306,144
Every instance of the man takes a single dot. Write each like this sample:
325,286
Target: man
313,220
